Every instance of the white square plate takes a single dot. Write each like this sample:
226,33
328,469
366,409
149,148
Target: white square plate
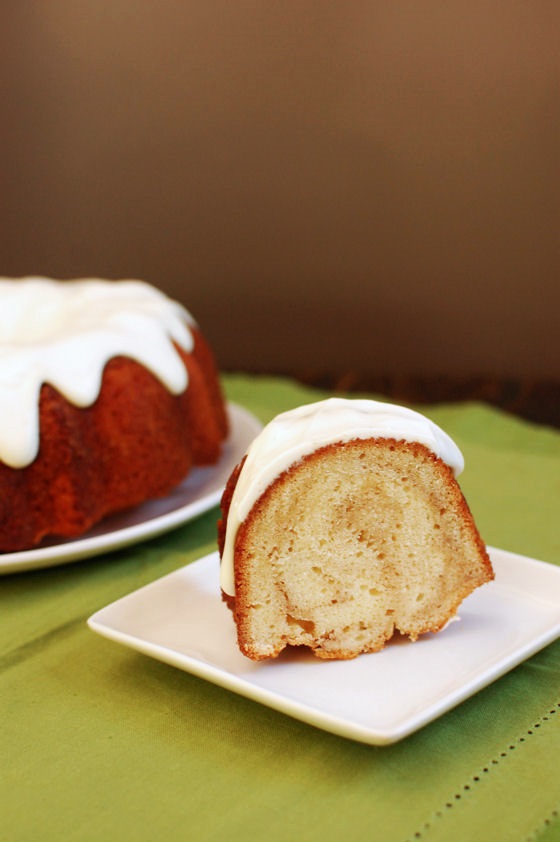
378,698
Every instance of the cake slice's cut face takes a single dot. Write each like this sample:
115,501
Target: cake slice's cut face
354,542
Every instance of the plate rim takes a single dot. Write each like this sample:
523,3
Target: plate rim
310,714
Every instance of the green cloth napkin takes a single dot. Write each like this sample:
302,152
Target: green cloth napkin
100,743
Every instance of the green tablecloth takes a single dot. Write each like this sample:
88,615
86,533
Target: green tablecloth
101,743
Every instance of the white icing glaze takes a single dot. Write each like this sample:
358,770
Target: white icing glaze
294,434
64,332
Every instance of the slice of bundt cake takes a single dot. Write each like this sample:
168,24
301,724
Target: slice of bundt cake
344,524
109,394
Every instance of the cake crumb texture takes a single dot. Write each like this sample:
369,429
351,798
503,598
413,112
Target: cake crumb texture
352,544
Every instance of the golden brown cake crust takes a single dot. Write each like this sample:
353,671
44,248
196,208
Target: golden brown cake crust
135,443
394,549
225,503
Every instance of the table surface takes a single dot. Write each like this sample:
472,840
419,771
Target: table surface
100,742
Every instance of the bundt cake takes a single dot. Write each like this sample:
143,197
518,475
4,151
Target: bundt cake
344,524
108,395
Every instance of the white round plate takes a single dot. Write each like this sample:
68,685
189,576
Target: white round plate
200,491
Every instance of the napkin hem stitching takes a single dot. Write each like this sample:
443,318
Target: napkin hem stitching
477,778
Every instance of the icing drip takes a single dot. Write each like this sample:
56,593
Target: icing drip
64,333
296,433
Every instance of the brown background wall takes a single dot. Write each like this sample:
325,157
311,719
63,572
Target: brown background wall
324,184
